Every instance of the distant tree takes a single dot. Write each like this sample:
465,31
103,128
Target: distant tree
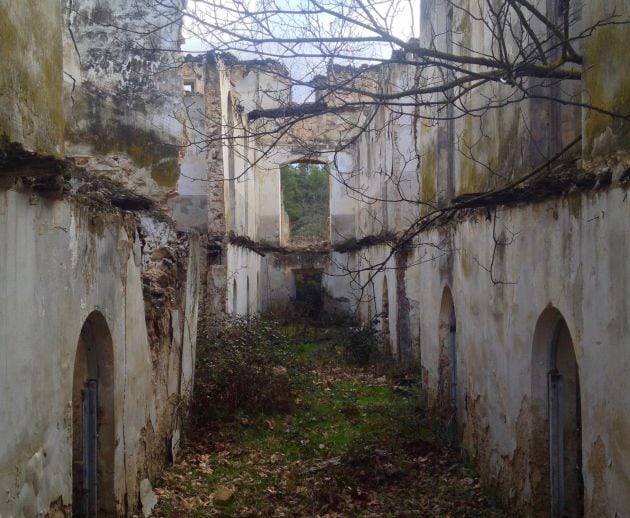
305,193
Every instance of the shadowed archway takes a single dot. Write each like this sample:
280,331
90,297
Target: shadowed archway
387,341
93,423
447,366
556,420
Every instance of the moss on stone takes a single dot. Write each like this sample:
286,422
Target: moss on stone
166,172
31,88
101,124
605,79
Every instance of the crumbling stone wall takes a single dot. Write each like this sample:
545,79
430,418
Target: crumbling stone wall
71,257
258,247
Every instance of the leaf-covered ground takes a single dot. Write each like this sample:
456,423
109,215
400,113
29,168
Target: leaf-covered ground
357,442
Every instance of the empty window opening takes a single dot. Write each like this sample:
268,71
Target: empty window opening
447,361
309,293
189,86
93,426
557,419
305,201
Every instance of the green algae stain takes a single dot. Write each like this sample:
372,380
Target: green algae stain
166,172
31,88
606,78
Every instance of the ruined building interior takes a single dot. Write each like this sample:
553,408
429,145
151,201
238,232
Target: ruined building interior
141,191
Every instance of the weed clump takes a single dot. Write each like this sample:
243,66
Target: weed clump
244,366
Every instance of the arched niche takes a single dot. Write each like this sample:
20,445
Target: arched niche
447,360
93,421
556,419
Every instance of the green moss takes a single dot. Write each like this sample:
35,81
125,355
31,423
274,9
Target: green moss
101,124
606,78
32,88
470,178
166,172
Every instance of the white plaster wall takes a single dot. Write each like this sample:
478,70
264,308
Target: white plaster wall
377,265
384,174
339,285
243,264
342,204
137,95
269,201
191,314
571,254
59,263
189,208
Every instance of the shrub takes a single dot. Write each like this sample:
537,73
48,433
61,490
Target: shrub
362,344
243,366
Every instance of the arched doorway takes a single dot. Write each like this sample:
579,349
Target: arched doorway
557,416
93,425
447,367
387,345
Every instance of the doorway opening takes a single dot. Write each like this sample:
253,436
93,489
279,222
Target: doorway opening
387,341
309,293
93,424
447,367
557,419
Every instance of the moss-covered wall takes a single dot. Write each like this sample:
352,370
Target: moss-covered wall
503,135
124,103
606,79
31,110
427,169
